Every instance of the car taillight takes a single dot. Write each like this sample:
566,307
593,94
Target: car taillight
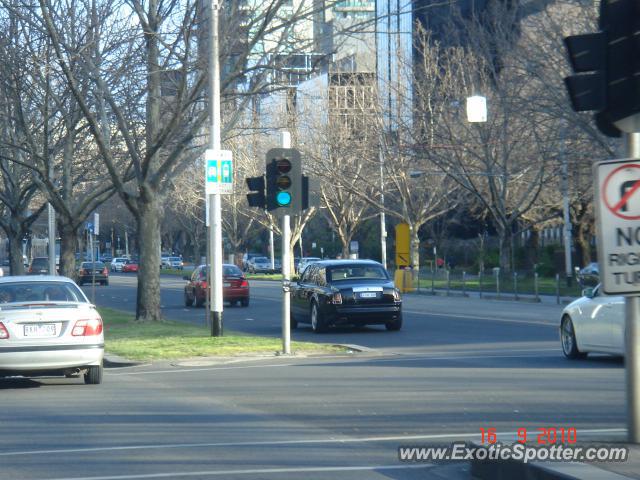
105,271
203,284
244,283
396,295
85,328
4,333
336,299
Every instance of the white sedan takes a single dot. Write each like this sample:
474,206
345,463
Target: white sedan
593,323
48,327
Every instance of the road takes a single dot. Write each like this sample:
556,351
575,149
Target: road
457,366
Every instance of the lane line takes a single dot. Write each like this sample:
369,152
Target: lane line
318,441
474,317
255,471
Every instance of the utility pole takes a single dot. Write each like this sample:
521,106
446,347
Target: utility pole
286,270
567,217
215,219
632,336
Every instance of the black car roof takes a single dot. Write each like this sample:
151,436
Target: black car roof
337,263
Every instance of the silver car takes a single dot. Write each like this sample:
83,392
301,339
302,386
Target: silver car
48,327
593,323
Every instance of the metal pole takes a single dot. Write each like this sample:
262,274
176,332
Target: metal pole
273,254
286,270
286,278
215,220
558,288
93,270
383,222
567,218
632,337
52,239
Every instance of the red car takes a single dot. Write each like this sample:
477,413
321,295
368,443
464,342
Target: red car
235,288
130,266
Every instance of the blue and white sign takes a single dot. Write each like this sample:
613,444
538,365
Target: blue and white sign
218,171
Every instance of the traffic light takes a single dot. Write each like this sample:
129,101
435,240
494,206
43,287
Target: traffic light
620,20
256,198
607,67
284,181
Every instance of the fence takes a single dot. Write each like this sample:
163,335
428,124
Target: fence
496,284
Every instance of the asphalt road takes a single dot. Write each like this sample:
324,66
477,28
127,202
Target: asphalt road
457,365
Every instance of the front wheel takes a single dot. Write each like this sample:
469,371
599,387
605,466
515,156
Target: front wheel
93,376
317,322
188,301
568,340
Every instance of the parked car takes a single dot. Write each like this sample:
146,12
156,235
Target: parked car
176,262
260,265
593,323
39,266
235,287
106,258
589,276
49,327
246,258
117,264
89,272
130,266
345,292
305,261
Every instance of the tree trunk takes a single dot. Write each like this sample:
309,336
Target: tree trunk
414,247
504,243
582,246
148,221
68,248
16,262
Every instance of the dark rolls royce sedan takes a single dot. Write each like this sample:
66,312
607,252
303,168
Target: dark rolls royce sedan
345,292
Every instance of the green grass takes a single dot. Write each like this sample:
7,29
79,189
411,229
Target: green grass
168,340
264,276
525,285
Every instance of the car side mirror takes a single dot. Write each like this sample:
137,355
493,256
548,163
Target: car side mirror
588,292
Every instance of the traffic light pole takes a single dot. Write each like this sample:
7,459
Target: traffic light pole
215,216
286,270
632,336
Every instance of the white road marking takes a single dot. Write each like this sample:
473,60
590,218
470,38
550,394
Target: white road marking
255,471
317,441
475,317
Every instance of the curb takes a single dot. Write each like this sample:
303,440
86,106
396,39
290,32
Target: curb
510,469
355,348
113,361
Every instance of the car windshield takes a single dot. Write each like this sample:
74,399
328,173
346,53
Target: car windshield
174,259
231,270
359,272
40,292
40,262
261,260
89,265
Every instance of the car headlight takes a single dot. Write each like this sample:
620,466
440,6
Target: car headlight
396,295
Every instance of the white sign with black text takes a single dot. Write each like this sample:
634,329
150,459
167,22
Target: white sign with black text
617,200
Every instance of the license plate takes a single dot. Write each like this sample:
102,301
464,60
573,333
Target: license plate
368,295
40,330
226,284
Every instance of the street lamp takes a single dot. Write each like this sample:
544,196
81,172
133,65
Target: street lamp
476,109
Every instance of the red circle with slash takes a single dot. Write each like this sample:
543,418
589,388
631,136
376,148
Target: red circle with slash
634,190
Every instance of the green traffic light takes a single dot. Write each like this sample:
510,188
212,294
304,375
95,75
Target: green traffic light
283,198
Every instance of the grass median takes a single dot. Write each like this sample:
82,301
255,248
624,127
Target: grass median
167,340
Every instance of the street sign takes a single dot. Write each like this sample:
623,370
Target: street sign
218,171
96,224
617,188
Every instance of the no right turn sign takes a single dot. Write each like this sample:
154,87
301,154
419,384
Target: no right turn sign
617,188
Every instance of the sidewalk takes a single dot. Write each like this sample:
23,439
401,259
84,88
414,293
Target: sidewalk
507,470
507,297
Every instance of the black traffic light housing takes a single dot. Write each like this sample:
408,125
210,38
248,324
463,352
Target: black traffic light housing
284,189
257,196
607,66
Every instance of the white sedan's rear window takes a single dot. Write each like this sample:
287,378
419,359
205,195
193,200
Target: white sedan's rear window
40,292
